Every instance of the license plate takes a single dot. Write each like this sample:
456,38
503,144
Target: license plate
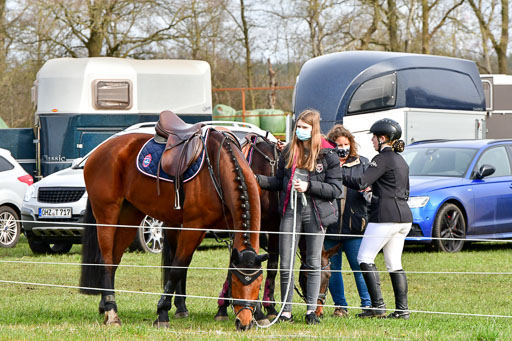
61,212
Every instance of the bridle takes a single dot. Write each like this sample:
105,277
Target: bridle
246,274
252,140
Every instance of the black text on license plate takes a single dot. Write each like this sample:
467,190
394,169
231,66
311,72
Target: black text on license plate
60,212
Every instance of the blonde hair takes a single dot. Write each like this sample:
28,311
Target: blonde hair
339,130
296,151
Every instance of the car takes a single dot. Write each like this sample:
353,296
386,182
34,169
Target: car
53,206
14,181
460,189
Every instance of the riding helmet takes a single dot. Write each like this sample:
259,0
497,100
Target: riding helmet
387,127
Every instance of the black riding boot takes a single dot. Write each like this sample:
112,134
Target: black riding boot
399,281
371,277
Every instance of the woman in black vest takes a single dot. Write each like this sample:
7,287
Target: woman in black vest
309,178
390,217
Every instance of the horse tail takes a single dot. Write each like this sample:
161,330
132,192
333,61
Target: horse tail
91,276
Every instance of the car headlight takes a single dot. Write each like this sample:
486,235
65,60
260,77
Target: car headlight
30,193
416,202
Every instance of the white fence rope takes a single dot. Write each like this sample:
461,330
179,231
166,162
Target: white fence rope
249,269
246,300
416,238
227,268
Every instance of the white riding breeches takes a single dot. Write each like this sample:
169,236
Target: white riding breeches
388,237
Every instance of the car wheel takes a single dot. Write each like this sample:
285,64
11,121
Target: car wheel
149,236
449,223
10,227
39,246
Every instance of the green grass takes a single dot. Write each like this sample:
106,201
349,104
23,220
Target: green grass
32,312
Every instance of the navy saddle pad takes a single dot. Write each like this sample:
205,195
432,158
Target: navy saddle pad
149,158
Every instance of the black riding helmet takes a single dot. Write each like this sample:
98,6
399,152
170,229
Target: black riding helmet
387,127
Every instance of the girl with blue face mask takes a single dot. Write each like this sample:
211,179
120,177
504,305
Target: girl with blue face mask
309,166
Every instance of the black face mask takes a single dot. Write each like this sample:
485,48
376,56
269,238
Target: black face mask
342,152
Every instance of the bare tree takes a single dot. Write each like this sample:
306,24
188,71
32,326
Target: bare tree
500,44
427,9
366,37
107,27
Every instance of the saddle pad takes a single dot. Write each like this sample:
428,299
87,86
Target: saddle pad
149,158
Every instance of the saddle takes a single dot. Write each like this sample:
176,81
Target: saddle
184,146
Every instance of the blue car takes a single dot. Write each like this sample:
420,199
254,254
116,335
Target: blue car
460,189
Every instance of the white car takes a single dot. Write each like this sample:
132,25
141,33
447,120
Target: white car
14,181
61,198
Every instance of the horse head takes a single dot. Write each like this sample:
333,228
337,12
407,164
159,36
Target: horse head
246,277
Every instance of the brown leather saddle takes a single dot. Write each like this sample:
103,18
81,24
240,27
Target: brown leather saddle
184,145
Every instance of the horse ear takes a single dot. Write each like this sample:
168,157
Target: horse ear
235,256
261,258
329,253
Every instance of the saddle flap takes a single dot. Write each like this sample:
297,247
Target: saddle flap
178,156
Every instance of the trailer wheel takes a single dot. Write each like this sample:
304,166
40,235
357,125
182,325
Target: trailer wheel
39,246
10,227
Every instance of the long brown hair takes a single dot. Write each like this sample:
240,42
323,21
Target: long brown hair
296,151
339,130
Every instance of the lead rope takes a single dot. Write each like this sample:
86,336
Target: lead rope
293,203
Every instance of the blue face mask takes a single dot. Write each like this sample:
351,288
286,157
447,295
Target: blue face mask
303,134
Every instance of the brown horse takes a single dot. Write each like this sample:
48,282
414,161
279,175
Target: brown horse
262,155
120,195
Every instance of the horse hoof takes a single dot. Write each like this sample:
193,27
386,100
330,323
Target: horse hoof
221,318
111,319
264,322
159,324
181,315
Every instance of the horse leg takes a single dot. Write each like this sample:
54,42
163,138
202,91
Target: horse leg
181,289
113,242
223,302
272,265
187,243
179,300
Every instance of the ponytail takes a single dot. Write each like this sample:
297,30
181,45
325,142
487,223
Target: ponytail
398,146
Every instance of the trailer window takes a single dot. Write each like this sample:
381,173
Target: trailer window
112,94
374,94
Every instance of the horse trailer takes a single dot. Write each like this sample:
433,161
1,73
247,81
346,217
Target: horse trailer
498,99
82,101
432,97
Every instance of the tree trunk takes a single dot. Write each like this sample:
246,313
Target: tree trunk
502,50
96,36
425,36
392,26
247,46
272,84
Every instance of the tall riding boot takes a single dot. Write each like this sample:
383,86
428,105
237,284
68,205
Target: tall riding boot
371,277
399,281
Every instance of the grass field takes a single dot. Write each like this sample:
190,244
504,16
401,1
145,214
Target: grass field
34,312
